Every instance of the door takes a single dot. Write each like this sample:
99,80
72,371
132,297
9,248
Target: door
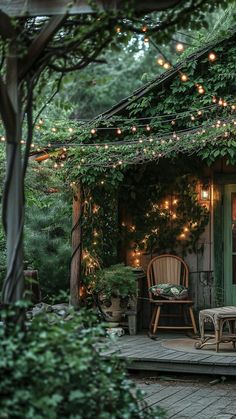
230,244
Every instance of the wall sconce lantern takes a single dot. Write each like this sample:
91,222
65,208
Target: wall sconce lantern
205,193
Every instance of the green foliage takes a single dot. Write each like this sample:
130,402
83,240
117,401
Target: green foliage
47,229
164,208
56,371
117,280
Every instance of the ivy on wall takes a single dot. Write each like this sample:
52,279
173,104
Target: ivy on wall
164,207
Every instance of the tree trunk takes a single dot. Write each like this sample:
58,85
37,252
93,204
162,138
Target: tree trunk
13,207
75,274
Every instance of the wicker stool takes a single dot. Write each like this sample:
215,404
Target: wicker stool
218,316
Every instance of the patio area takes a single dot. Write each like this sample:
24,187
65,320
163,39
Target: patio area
173,353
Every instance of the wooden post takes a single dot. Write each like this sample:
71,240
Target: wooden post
75,273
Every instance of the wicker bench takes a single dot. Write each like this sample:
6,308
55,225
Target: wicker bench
218,316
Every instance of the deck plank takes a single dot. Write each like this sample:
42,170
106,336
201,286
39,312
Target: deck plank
142,353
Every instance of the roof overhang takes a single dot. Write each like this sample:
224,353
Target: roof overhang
18,8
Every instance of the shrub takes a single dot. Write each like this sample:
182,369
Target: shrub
56,371
117,280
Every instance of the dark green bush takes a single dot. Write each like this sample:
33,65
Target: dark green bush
56,371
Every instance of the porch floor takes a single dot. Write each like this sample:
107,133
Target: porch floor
173,353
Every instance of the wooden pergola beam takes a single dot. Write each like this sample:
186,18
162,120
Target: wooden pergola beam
17,8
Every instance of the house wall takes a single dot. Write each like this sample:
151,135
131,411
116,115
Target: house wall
205,266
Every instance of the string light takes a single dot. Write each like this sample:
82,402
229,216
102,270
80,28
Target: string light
179,47
183,77
134,128
118,131
160,61
144,28
201,90
148,128
212,56
166,66
93,131
54,129
146,39
118,29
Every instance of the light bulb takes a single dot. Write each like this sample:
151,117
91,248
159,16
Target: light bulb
179,47
118,131
201,90
166,66
183,77
160,61
212,56
134,128
148,128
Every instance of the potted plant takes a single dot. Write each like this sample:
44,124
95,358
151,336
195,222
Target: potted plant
116,288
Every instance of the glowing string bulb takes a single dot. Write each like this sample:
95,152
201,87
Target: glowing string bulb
70,129
3,139
160,61
93,131
144,28
146,39
201,90
233,107
148,128
179,47
166,66
183,77
118,29
192,118
214,100
134,128
220,102
118,131
54,129
199,113
212,56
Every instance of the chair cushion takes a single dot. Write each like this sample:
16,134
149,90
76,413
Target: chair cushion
170,291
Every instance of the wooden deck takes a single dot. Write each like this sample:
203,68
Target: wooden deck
173,353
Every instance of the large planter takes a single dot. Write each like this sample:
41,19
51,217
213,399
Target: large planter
114,308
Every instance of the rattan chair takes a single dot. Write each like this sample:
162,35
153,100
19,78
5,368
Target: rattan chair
169,269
